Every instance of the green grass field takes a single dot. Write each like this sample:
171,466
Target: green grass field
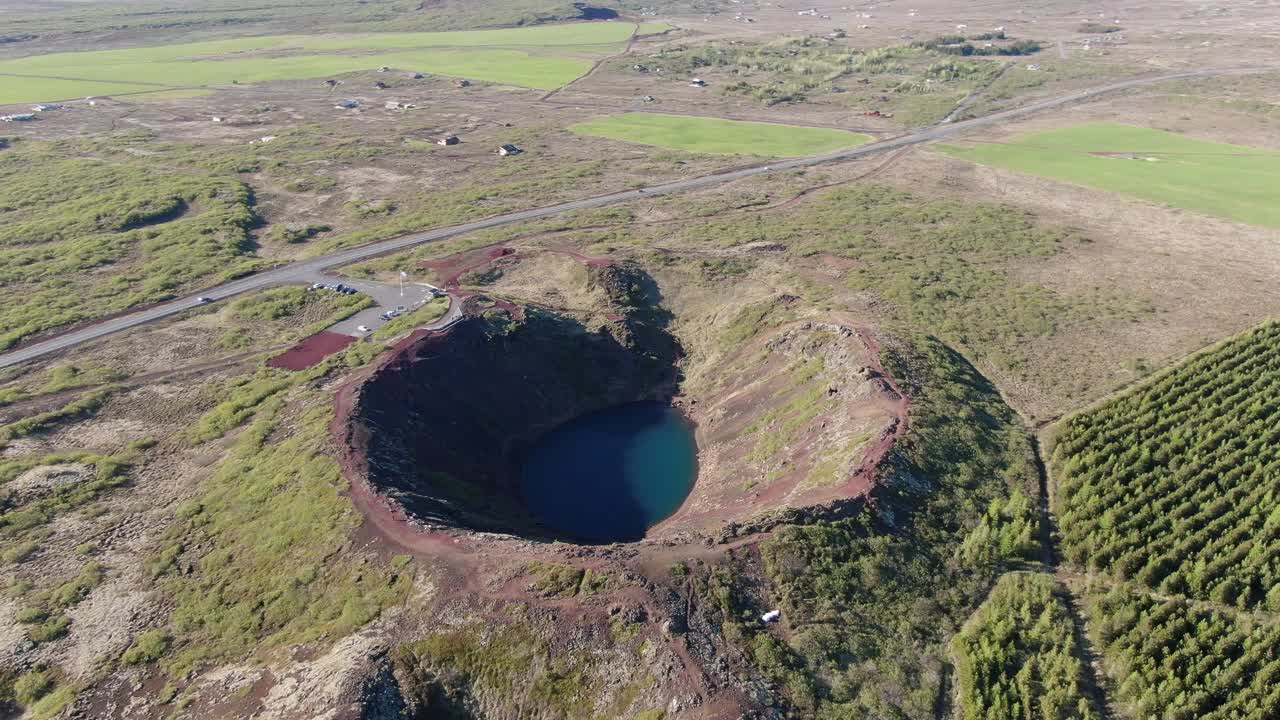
724,137
543,57
1230,181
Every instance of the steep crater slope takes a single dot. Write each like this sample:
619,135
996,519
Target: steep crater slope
439,426
792,423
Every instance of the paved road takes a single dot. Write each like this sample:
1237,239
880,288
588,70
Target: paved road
301,271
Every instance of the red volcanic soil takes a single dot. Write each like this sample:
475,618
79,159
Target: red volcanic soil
453,267
890,395
311,351
516,311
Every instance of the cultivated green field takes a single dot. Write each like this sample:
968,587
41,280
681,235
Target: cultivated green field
543,57
41,89
1231,181
724,137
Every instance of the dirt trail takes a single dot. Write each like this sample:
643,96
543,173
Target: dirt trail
631,39
976,93
1095,680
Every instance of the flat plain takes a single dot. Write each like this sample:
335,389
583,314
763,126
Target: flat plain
723,137
1231,181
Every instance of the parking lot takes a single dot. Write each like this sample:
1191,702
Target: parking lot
390,298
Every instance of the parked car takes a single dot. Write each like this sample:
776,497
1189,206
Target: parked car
362,328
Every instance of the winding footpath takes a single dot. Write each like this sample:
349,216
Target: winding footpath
301,271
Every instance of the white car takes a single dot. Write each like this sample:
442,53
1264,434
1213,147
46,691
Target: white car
362,328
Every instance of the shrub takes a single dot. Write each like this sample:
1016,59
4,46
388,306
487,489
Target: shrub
50,630
19,552
30,616
147,647
31,686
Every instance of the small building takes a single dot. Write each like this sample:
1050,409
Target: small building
448,140
461,83
509,149
19,117
697,82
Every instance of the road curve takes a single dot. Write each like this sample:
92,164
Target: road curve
298,272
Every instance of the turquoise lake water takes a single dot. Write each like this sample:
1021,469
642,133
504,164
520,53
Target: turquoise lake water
611,475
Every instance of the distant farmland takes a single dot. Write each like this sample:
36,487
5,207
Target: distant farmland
724,137
1231,181
538,57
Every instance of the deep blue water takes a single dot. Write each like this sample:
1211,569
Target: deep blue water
613,474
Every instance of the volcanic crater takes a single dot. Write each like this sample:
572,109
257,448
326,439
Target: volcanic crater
436,432
439,428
